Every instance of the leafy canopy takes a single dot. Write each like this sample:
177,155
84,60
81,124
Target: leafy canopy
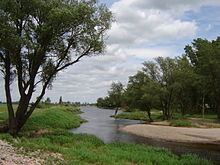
43,37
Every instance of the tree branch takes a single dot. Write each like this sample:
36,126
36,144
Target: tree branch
37,83
75,61
33,106
18,60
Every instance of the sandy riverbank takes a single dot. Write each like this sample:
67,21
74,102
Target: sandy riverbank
176,134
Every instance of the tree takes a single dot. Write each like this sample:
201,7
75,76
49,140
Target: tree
38,39
100,102
162,79
47,101
60,100
204,56
115,98
104,103
186,86
138,95
116,94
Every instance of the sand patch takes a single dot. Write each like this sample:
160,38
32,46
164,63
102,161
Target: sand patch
176,134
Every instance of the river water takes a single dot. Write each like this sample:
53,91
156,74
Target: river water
103,126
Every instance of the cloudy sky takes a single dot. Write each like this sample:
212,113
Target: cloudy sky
144,29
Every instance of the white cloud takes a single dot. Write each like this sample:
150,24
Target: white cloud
92,77
150,53
174,6
141,21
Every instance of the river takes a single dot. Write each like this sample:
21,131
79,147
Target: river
103,126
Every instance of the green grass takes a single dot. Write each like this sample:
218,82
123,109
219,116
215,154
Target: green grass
138,115
87,149
52,118
3,112
3,107
178,116
206,116
82,149
181,123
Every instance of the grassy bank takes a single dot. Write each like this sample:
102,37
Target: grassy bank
177,120
140,115
47,131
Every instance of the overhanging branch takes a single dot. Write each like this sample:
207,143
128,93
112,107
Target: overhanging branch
75,61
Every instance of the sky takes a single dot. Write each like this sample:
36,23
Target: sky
143,30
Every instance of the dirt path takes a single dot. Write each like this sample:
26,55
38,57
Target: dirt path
12,156
177,134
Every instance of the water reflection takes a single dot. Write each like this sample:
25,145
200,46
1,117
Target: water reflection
103,126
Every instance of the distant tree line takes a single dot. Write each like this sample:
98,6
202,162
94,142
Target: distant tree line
189,84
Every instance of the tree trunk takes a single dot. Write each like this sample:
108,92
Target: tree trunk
4,129
12,121
203,107
16,125
116,111
166,112
149,113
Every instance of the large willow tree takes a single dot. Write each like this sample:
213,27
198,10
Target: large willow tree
38,39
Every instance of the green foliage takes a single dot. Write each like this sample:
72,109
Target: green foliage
135,95
47,101
204,57
115,97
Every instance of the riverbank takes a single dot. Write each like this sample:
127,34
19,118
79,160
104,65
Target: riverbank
175,134
192,121
47,131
